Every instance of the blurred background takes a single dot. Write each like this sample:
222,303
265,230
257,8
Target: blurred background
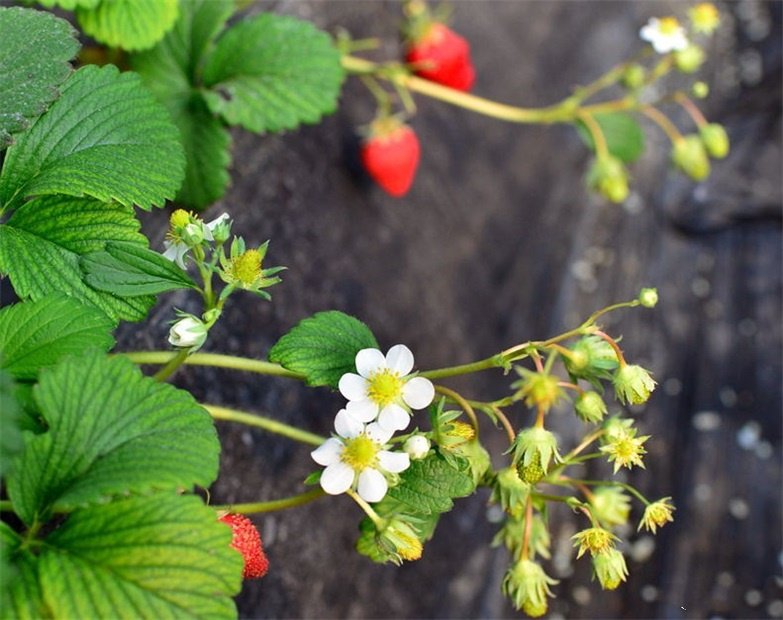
499,242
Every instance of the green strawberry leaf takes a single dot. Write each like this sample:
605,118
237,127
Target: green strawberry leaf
323,347
172,71
37,334
112,431
42,242
429,485
128,24
10,418
270,73
33,63
129,270
624,136
19,588
164,556
70,5
105,137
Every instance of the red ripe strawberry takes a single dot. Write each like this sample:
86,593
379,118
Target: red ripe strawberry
443,56
391,155
247,541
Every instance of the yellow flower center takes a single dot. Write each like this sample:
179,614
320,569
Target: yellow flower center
247,267
462,429
660,514
179,218
668,25
360,452
411,547
385,387
705,17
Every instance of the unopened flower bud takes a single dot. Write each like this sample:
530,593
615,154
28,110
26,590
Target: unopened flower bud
527,585
590,407
593,539
690,59
193,234
657,515
700,90
610,505
705,17
633,384
634,76
188,333
648,297
610,568
715,140
535,448
417,446
403,539
609,177
690,156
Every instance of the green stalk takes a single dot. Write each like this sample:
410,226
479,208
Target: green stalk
273,505
217,360
268,424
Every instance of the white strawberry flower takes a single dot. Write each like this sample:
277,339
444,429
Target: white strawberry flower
383,388
664,34
357,459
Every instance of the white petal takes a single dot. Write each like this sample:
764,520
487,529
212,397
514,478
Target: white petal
394,418
328,452
368,361
337,478
347,425
363,410
648,32
372,485
394,462
400,359
353,387
218,220
418,392
378,433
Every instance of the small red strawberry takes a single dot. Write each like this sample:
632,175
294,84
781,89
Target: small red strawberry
390,155
441,55
247,541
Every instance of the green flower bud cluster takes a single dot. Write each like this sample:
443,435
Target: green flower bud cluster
609,177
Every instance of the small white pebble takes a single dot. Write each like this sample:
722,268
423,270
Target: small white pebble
725,579
706,421
738,508
748,436
649,594
672,386
754,598
247,438
581,595
763,450
642,549
702,492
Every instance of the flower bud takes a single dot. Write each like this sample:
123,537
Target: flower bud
700,90
657,515
417,446
648,297
634,76
609,177
633,384
690,59
705,17
188,333
593,539
527,585
610,568
219,229
403,539
538,389
690,156
715,140
590,407
193,234
591,358
610,505
534,448
509,490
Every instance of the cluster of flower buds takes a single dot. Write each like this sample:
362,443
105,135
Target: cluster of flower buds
191,239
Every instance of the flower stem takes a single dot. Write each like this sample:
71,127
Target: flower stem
367,508
632,490
613,343
466,407
663,122
273,505
528,528
691,108
601,148
217,360
268,424
170,367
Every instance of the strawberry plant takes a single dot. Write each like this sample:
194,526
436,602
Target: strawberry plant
106,471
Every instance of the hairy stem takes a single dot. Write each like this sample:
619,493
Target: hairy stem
268,424
216,360
275,504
